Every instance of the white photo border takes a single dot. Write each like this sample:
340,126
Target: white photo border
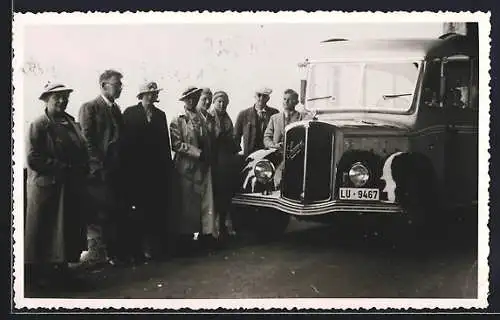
22,20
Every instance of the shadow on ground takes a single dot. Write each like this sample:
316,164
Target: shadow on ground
357,261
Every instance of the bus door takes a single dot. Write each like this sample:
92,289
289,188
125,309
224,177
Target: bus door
430,135
460,99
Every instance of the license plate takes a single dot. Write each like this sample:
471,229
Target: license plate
359,194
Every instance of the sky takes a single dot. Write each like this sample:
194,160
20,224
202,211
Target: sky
237,58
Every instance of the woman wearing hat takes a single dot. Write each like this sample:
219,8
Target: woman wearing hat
147,160
57,158
190,144
210,217
225,169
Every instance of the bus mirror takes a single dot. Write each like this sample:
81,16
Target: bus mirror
303,91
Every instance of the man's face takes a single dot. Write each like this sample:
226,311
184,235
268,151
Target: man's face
261,99
112,87
57,102
290,101
205,101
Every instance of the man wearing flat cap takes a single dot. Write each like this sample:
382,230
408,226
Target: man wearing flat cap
102,125
251,123
147,163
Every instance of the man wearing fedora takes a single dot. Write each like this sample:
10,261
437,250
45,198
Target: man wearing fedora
147,163
102,125
251,123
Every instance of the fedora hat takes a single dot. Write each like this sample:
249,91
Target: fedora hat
53,87
148,87
189,92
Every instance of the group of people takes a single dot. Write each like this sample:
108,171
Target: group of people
107,185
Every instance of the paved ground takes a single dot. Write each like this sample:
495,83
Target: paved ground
309,261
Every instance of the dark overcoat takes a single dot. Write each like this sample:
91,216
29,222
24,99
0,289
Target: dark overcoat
225,170
55,229
246,128
147,158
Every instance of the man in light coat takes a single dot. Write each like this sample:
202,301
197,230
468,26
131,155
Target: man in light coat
102,125
275,132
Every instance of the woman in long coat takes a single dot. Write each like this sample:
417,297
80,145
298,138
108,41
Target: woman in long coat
226,163
210,218
189,142
55,228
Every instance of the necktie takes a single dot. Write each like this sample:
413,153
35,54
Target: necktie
149,114
262,114
262,117
114,121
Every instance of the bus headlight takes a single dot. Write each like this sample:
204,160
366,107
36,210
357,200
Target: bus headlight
264,171
359,174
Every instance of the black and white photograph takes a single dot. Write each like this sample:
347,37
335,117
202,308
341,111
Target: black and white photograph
266,160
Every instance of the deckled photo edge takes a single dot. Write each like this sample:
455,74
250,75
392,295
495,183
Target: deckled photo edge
18,143
171,17
21,20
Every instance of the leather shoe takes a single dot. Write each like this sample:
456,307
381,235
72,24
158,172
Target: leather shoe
115,262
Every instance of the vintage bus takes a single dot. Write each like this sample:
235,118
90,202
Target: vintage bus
392,132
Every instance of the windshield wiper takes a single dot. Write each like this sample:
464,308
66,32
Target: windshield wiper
391,96
320,98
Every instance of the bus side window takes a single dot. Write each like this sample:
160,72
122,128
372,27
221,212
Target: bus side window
431,93
457,75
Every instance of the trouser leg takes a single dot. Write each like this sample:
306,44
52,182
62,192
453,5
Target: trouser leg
156,228
96,247
136,234
110,236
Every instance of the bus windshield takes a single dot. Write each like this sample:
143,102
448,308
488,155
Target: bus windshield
373,86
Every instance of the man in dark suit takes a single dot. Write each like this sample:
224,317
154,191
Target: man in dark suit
148,163
251,123
102,125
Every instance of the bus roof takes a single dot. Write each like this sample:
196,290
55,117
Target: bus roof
398,49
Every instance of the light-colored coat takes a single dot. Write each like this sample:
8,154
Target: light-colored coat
102,126
55,225
194,191
275,131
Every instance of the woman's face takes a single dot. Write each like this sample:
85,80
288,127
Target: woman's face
220,104
191,102
149,98
57,102
205,101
